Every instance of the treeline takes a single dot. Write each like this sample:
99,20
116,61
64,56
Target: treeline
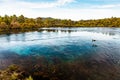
22,23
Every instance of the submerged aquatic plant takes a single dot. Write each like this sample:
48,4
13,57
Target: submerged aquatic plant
41,68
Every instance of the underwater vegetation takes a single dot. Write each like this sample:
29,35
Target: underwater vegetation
13,72
41,68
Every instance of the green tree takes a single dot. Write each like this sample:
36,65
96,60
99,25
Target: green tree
21,19
3,25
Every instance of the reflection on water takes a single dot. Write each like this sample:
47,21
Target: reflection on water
95,48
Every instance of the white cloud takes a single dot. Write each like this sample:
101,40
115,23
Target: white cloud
107,6
18,3
77,14
51,9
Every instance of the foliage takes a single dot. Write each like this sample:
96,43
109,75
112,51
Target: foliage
23,23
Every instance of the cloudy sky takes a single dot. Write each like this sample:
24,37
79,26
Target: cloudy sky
63,9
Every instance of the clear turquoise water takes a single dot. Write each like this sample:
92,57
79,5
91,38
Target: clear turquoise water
100,44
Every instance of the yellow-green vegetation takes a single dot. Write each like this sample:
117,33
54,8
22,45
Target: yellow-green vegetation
23,23
13,73
29,78
57,70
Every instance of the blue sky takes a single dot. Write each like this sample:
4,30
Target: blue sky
63,9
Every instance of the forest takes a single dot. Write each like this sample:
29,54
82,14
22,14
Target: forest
22,23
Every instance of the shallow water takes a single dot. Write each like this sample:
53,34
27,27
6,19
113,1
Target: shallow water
99,46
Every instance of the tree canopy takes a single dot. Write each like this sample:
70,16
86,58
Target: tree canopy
22,23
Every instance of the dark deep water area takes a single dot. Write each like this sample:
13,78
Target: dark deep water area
64,53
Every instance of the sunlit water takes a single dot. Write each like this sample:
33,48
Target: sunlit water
99,44
63,42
